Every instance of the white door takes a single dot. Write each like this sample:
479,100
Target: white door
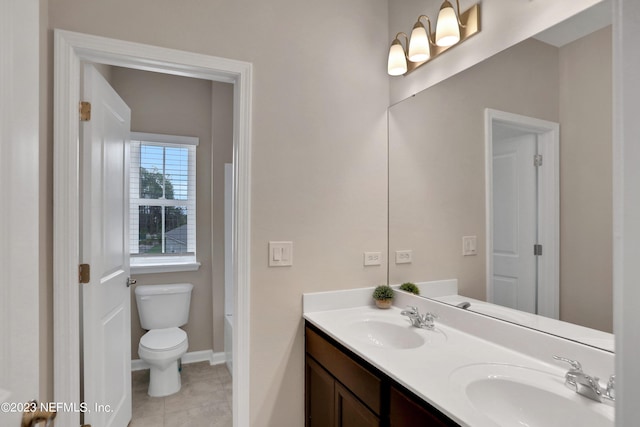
515,222
105,246
21,240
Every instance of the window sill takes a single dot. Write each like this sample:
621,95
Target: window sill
165,267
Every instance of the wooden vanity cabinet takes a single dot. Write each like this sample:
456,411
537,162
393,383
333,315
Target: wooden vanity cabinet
343,390
405,410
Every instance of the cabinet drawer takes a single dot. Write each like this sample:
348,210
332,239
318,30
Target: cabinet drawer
362,383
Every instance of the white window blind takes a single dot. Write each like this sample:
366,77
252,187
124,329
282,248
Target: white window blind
162,199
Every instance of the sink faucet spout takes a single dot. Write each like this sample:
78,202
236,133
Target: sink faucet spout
418,320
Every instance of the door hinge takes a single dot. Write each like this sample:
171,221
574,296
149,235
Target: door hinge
85,111
537,249
84,273
537,160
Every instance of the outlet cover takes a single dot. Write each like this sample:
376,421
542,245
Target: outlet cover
372,258
469,245
404,257
280,254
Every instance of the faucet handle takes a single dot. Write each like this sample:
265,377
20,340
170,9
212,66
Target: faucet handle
575,365
611,388
410,310
430,316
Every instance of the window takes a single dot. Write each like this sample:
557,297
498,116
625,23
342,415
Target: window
162,203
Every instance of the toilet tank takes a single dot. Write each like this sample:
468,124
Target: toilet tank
163,306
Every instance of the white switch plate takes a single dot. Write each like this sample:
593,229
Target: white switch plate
372,258
404,257
280,254
469,245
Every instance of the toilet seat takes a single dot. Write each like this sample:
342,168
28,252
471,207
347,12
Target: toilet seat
163,339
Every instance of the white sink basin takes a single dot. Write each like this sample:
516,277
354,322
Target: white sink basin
386,334
512,395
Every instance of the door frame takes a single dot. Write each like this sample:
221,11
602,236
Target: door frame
548,205
70,48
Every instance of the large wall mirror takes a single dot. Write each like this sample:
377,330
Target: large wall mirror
501,177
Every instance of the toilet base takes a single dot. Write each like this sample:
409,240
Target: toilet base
164,382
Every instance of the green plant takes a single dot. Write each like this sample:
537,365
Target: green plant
383,292
410,287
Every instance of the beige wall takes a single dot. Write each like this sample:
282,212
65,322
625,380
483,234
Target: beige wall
436,158
174,105
586,271
437,150
318,150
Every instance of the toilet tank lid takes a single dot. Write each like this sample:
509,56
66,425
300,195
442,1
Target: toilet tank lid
178,288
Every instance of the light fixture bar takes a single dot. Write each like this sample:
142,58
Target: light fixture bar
469,26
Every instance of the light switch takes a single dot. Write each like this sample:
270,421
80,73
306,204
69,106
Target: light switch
404,257
280,254
469,245
372,258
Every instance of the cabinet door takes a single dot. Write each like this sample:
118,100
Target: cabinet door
404,411
350,412
319,395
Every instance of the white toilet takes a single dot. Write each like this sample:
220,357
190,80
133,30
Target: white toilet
162,309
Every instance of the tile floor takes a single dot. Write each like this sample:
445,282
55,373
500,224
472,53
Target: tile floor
204,399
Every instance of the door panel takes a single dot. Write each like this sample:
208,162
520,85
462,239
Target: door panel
514,222
319,395
106,298
350,412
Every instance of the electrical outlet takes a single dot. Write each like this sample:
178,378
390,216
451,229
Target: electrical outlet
404,257
372,258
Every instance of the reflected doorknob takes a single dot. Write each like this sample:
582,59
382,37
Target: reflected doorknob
131,281
33,416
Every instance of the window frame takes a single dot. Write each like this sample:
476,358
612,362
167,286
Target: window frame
164,263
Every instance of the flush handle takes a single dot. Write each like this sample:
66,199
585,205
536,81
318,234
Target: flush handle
131,281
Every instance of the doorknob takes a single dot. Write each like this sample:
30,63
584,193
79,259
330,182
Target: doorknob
33,415
131,281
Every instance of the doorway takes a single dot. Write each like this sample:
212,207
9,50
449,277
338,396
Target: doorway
70,49
522,212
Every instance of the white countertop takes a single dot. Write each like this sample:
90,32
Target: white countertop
427,370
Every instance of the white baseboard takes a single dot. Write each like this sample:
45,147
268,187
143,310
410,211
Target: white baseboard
191,357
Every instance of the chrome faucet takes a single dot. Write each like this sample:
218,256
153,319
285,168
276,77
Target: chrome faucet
587,385
418,320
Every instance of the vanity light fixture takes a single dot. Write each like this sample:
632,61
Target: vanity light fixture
397,64
448,28
452,28
420,42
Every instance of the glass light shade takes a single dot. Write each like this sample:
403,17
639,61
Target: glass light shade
419,49
397,64
447,29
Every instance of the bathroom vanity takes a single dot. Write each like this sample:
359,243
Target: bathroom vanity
370,367
343,389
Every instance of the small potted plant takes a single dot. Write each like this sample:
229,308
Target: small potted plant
410,287
383,295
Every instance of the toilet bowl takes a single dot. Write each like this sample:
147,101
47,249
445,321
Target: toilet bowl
161,349
162,309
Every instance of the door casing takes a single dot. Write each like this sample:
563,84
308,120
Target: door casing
70,49
548,205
